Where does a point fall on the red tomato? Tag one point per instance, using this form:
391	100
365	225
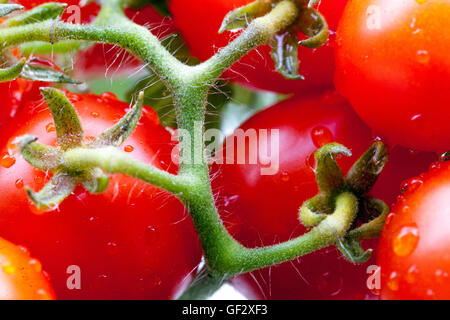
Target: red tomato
75	11
21	276
393	66
110	60
414	250
263	209
13	94
199	22
133	241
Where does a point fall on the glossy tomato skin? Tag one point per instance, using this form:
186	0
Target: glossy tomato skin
133	241
106	59
263	210
199	22
14	94
393	66
75	10
414	250
21	276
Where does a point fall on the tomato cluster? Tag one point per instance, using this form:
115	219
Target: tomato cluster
383	74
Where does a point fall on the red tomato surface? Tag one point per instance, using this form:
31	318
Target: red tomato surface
13	94
21	276
133	241
75	12
394	68
200	20
414	250
263	209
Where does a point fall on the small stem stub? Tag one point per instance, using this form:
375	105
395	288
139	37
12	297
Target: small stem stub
70	136
359	180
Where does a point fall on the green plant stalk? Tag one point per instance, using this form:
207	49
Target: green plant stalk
225	257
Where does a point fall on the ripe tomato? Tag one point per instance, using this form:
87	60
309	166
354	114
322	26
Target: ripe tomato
105	59
133	241
393	66
13	94
76	9
414	250
199	22
263	209
21	276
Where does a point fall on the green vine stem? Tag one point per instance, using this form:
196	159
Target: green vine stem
224	256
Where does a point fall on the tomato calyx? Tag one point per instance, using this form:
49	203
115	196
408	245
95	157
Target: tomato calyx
70	136
358	182
284	45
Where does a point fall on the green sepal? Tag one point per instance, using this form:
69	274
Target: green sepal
69	131
95	181
314	210
314	25
7	8
373	228
117	134
60	186
11	73
46	11
43	157
241	17
352	250
46	74
284	53
364	173
329	176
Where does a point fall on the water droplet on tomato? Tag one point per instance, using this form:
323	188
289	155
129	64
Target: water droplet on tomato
389	217
440	276
43	295
128	148
94	222
411	275
285	176
310	162
423	57
112	248
405	241
73	97
108	95
393	281
7	160
36	265
321	136
19	183
95	114
151	235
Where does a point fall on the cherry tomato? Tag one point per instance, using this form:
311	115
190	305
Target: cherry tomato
21	276
414	250
105	59
393	66
263	209
133	241
199	22
13	94
76	12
